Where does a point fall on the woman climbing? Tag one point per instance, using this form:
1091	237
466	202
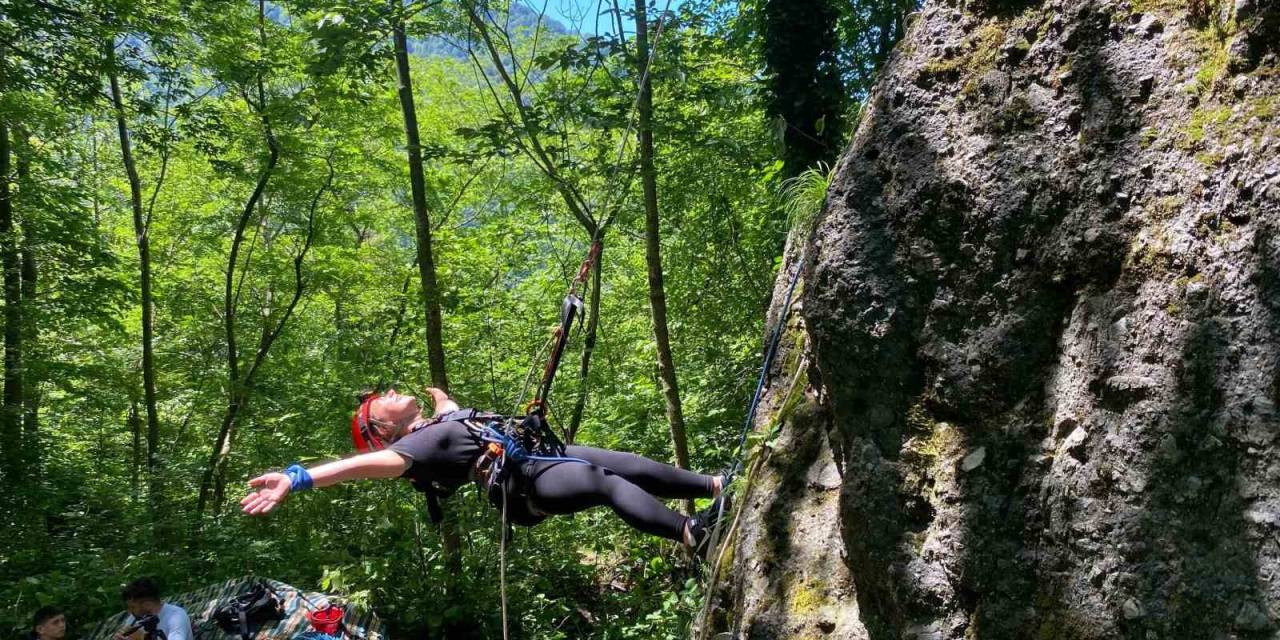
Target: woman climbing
439	454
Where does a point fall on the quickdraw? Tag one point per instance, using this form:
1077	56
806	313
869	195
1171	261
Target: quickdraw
572	307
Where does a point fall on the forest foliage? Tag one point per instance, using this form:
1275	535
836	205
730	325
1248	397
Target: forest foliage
262	213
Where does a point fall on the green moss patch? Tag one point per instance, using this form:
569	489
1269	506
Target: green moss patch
981	50
807	598
1203	122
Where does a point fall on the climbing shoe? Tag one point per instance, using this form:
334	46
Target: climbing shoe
703	524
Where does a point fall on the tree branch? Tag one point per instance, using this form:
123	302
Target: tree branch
573	200
270	337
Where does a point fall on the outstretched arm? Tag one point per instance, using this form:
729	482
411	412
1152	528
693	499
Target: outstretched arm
271	489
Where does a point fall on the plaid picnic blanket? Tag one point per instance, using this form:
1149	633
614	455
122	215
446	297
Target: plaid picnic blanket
201	604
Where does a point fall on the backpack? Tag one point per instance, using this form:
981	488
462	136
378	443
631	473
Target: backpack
248	610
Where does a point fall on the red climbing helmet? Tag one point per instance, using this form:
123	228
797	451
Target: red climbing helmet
362	435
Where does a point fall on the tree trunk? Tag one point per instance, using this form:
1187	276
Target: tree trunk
11	414
30	328
222	444
450	540
95	178
141	228
135	459
226	434
31	395
890	28
421	217
805	90
652	246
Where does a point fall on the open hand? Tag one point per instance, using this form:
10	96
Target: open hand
272	489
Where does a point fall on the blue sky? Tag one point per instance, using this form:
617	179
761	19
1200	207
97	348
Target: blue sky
582	13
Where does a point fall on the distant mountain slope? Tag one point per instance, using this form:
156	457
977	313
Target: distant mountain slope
522	17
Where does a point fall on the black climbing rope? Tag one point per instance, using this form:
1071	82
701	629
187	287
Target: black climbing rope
713	548
771	351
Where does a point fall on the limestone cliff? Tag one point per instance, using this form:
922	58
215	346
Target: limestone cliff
1038	345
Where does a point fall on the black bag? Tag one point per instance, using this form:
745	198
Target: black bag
248	610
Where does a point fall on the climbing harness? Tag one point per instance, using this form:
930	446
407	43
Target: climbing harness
524	439
510	443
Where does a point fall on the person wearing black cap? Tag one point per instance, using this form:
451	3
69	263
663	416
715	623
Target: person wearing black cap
440	453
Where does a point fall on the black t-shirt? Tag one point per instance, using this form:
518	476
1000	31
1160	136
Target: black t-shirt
441	453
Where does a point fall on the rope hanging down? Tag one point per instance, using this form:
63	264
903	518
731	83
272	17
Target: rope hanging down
768	361
572	304
513	450
713	549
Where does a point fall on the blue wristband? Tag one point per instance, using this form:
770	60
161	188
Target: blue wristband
299	479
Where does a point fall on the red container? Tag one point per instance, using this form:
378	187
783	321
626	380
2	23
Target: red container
327	620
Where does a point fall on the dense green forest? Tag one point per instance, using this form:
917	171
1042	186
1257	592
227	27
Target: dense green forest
221	218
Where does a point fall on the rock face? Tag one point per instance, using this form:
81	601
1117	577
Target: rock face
1042	311
792	580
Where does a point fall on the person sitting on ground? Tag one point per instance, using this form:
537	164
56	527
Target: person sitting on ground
49	623
160	620
443	452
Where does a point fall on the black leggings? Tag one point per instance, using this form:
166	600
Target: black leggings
629	484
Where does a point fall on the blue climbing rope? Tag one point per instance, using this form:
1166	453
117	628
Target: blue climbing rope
514	451
771	350
768	361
